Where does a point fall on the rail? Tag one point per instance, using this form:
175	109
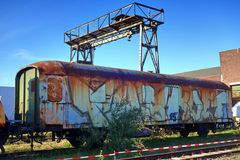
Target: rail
225	142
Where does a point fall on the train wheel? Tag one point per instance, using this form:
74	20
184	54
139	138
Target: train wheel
184	133
202	130
75	139
3	137
2	149
86	139
76	143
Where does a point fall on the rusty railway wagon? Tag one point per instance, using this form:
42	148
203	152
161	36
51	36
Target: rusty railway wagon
67	98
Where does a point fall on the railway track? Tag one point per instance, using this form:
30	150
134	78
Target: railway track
196	153
215	150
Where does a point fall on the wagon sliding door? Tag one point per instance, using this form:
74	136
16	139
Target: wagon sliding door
27	93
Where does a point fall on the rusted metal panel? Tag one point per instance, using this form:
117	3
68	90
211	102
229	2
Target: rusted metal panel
52	113
210	105
55	107
51	108
159	103
186	114
54	88
2	115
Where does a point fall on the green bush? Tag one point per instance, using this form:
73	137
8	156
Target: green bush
124	122
95	138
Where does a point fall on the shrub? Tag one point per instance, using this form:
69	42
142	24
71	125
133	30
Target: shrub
124	122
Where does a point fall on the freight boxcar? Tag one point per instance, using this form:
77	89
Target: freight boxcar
60	96
67	98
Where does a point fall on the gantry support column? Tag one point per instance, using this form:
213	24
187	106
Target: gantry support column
148	46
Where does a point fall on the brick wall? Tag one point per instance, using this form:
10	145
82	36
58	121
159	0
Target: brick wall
230	66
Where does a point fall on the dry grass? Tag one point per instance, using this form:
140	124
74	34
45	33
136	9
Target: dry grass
230	157
24	147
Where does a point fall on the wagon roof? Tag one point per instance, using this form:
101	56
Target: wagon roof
76	69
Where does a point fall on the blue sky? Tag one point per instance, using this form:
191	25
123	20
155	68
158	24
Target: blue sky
194	33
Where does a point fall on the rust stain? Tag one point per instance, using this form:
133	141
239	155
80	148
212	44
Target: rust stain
95	84
54	89
43	114
158	93
211	96
186	105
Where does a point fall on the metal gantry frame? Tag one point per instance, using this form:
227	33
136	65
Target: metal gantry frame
129	20
149	43
82	55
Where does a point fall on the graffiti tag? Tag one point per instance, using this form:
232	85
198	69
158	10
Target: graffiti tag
173	116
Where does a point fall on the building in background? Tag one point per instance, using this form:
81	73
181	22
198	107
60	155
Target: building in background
228	72
8	99
213	73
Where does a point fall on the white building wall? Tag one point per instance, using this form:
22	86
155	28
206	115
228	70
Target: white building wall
8	99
